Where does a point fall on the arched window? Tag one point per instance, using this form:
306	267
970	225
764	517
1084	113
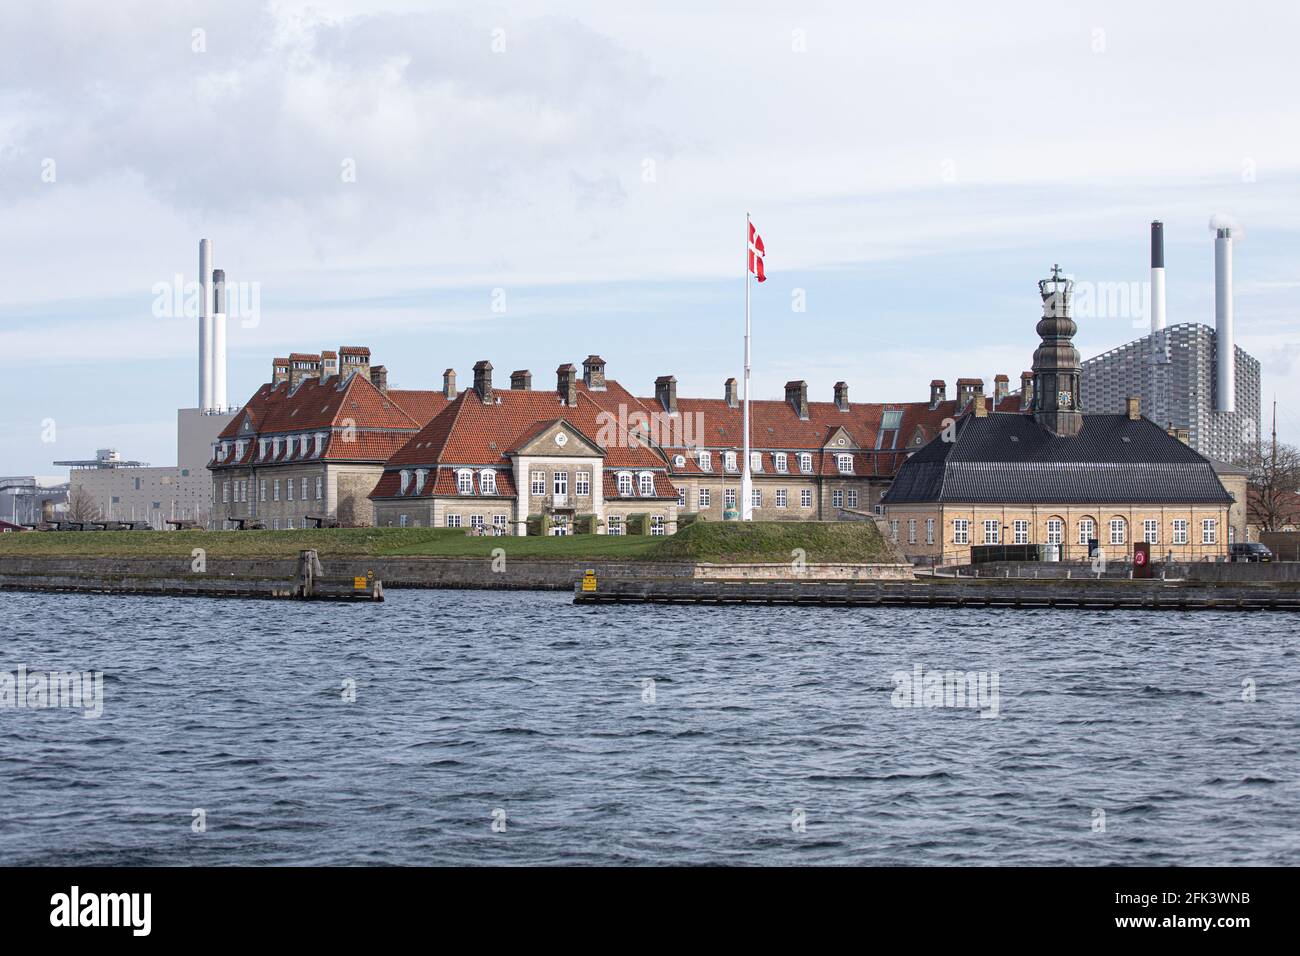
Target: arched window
805	462
487	481
625	483
1087	530
1118	530
646	481
729	461
1055	530
465	482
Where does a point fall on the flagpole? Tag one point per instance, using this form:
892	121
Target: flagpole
746	480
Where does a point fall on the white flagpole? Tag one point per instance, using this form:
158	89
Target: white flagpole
746	480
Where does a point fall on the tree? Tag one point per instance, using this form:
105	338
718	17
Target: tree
82	505
1273	482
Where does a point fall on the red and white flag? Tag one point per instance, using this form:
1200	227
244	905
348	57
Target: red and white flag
756	253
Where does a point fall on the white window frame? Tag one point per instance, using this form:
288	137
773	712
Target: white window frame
729	498
560	483
911	531
706	460
320	487
464	481
537	483
1055	531
1151	530
782	462
704	498
1180	530
624	484
960	531
729	461
614	525
275	490
1209	531
805	497
756	497
780	497
852	497
658	526
453	520
837	498
805	462
1087	530
844	463
929	531
582	483
1118	531
992	531
645	484
1020	531
755	461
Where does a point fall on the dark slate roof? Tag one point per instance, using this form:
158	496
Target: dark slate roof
1009	458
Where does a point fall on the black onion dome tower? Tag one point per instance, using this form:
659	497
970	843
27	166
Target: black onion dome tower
1057	405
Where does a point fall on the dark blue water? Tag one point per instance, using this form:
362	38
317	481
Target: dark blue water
472	702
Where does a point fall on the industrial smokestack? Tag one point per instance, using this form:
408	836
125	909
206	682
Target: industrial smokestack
205	324
1157	276
219	339
1224	341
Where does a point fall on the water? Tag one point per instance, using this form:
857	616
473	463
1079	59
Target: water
469	702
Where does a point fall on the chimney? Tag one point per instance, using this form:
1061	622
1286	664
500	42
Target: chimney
302	367
729	393
1133	408
205	324
329	364
1026	391
981	407
1225	388
593	372
968	388
842	396
566	383
379	377
796	393
279	371
354	358
666	392
449	383
1157	276
521	380
1001	389
219	340
483	380
938	392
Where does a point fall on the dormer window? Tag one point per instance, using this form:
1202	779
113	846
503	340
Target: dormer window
782	462
844	463
729	461
320	444
755	461
464	482
646	482
487	481
275	447
420	475
406	481
625	483
706	461
261	448
805	462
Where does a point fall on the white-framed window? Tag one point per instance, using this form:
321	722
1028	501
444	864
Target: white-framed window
625	483
837	498
929	531
582	483
805	497
303	488
405	481
288	524
1209	531
261	490
729	461
320	487
893	530
464	481
561	483
1055	530
614	525
487	482
401	521
476	522
261	448
805	462
1180	531
320	444
1151	531
681	497
780	497
844	463
729	498
657	526
275	489
499	525
705	496
225	492
853	497
538	484
453	521
756	497
1087	530
1118	527
646	484
960	531
755	461
782	462
420	475
288	489
992	531
911	531
275	524
1020	531
706	460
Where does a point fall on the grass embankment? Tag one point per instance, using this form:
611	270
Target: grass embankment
702	541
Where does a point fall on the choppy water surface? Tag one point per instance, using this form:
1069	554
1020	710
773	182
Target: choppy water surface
472	702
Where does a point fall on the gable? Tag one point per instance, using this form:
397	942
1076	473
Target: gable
559	439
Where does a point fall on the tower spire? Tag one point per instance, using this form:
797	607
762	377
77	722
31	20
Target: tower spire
1057	406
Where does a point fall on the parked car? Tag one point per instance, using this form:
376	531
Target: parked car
1249	551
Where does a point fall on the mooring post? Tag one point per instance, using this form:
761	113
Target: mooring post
308	570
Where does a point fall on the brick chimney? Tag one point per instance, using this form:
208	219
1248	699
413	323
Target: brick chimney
593	372
1001	389
379	377
354	358
566	383
1133	408
842	396
729	393
449	383
1026	391
279	371
521	380
796	393
329	364
302	366
968	388
981	407
483	380
938	392
666	392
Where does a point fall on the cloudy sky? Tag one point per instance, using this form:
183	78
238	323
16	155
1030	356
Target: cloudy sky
533	182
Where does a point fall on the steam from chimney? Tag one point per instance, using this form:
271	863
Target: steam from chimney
1225	396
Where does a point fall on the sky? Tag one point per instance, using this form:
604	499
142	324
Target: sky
533	182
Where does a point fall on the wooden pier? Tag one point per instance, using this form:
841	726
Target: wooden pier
1104	594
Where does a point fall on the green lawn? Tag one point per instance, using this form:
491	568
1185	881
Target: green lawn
702	541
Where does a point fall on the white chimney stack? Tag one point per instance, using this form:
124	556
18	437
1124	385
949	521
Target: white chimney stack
219	340
1157	276
205	325
1224	342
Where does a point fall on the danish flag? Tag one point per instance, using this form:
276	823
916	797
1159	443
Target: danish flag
756	253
